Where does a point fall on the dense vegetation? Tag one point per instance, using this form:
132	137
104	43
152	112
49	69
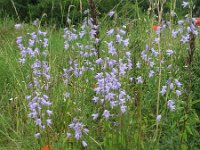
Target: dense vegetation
124	76
59	10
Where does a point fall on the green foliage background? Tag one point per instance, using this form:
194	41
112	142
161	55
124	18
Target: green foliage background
58	10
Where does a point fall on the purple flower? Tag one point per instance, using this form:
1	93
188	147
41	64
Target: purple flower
18	26
164	90
106	114
35	22
111	62
48	122
92	33
171	86
79	129
144	56
151	63
151	73
185	38
180	22
68	135
22	60
111	48
67	94
112	51
113	104
85	130
110	32
49	112
126	42
40	70
178	93
178	84
123	108
170	104
45	43
110	96
128	54
78	135
169	66
82	33
157	40
169	52
158	118
31	42
174	33
146	47
154	52
119	38
38	122
139	80
122	32
19	40
122	68
33	35
111	13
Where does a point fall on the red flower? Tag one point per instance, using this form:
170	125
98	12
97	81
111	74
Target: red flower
154	27
197	21
47	147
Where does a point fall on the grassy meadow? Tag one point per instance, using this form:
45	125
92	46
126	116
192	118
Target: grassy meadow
121	84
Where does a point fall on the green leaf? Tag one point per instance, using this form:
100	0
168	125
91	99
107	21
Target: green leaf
195	102
189	130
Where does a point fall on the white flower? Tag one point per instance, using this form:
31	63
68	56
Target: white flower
86	11
185	4
95	116
111	13
139	80
84	144
37	135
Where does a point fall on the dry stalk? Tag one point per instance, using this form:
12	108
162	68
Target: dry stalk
93	13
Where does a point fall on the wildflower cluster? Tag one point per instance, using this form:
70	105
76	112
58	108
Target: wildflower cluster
109	86
78	129
108	64
158	63
86	51
77	68
34	48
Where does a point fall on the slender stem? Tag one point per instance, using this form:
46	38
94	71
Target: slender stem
48	139
15	9
96	142
159	9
